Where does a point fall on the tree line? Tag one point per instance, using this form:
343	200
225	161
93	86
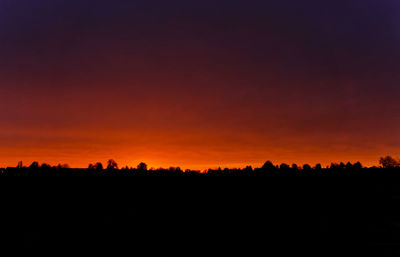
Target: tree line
112	168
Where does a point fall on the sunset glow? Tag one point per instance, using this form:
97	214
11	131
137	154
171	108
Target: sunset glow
199	84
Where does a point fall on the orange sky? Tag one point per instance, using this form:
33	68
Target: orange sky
199	84
177	147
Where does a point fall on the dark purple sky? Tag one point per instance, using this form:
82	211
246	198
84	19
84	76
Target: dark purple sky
199	83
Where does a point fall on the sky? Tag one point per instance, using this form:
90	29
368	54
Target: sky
199	83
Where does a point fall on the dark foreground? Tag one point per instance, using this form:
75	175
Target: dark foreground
257	214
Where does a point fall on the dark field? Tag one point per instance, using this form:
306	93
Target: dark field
255	213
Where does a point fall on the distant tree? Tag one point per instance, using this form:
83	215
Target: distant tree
284	166
388	162
34	165
306	167
64	166
318	167
357	165
20	165
248	169
45	166
96	166
349	165
294	166
175	169
112	165
142	166
334	166
268	166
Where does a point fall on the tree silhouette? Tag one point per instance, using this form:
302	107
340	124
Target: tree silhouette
284	166
248	169
306	167
268	166
112	165
334	166
96	166
34	165
318	167
142	166
349	165
175	170
388	162
357	165
45	166
64	166
20	165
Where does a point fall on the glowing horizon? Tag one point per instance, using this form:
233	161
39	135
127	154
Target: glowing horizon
199	84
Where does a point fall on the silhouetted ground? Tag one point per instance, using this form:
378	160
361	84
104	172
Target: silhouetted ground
254	213
173	172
